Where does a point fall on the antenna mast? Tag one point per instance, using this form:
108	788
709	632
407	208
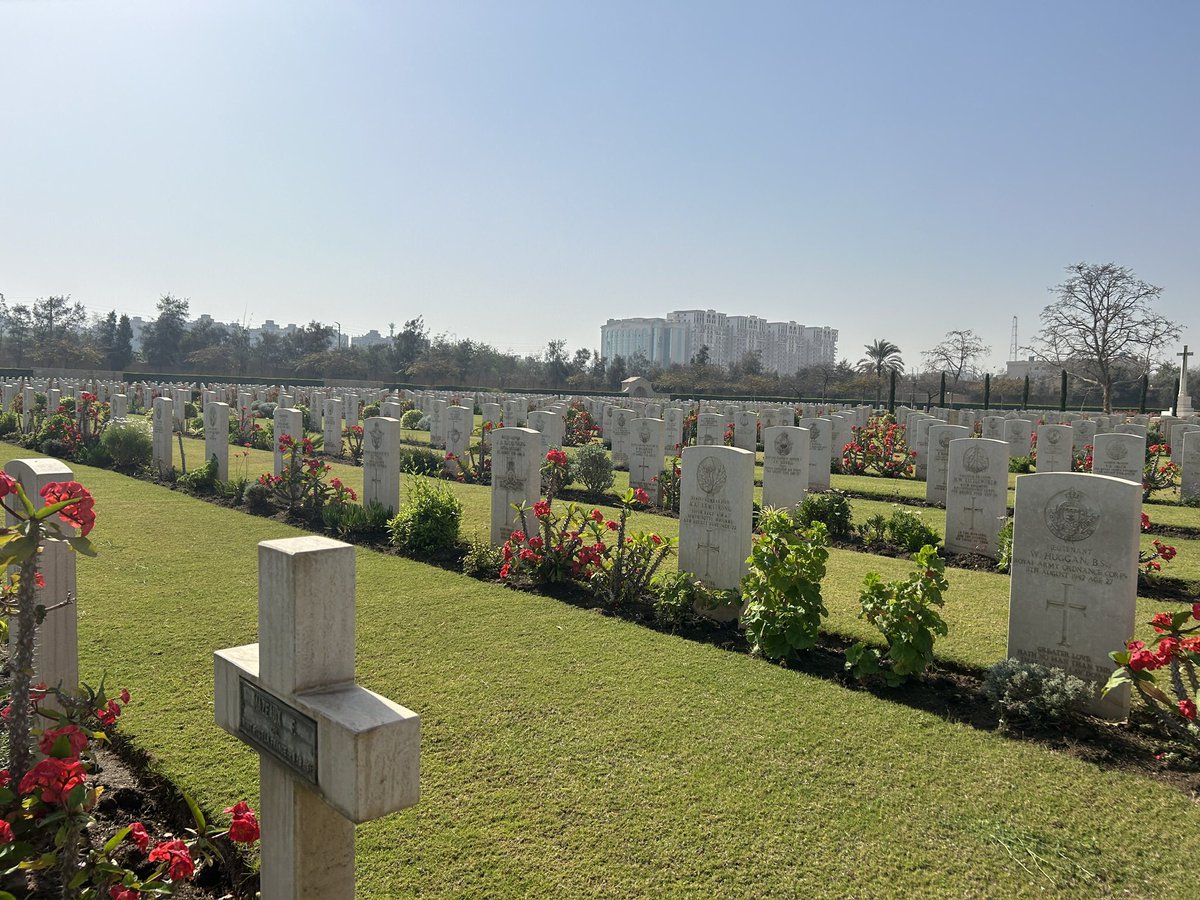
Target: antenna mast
1012	347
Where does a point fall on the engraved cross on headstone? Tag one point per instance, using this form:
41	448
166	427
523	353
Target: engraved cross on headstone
709	549
642	471
1066	606
975	508
331	754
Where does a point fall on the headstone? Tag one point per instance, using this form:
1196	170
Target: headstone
333	427
162	454
1189	466
1019	435
976	495
820	437
1074	575
287	422
516	477
459	422
993	428
940	437
745	431
715	510
622	423
918	443
673	430
56	652
1175	438
710	430
785	465
381	462
1054	444
646	453
1083	434
216	437
120	407
1119	456
331	753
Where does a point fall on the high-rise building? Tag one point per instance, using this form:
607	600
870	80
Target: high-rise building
783	347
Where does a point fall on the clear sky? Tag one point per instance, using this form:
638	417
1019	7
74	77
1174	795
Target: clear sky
517	172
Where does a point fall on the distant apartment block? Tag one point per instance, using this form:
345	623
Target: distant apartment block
783	347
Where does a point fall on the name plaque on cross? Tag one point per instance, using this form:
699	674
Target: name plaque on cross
272	726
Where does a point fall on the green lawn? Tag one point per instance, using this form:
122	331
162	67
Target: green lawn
569	754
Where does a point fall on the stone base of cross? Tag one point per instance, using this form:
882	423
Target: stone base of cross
331	753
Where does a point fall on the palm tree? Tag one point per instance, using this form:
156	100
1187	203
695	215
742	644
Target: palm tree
882	356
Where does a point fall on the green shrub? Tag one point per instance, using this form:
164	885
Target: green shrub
57	448
1022	465
257	497
200	480
904	612
429	522
592	467
1004	546
129	446
906	529
96	455
1035	693
190	411
783	586
415	461
352	522
482	560
233	490
674	596
410	419
874	529
832	509
370	410
10	422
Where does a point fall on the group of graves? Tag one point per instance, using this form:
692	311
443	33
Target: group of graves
333	754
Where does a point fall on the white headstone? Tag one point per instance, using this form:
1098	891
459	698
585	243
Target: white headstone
162	423
516	477
1054	448
646	453
216	437
1119	456
715	511
785	465
1189	465
976	495
1074	575
940	437
820	437
381	462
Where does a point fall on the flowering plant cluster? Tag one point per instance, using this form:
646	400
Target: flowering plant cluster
1174	652
668	482
690	426
573	547
1081	459
878	447
301	487
245	431
554	473
1159	472
1148	560
579	427
352	437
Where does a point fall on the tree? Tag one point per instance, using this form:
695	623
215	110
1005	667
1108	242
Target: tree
957	354
408	345
557	366
162	339
1101	327
616	371
882	356
54	319
701	356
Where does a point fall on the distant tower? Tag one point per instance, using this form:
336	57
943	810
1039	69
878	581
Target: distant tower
1012	345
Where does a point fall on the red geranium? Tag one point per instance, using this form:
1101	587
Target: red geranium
177	857
244	827
54	778
81	514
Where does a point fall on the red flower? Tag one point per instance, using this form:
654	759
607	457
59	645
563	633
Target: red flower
7	485
518	536
6	834
611	525
54	778
1145	522
77	740
641	496
504	570
598	516
1161	622
175	854
541	509
117	892
5	778
244	827
137	834
654	537
109	715
125	696
1187	709
80	514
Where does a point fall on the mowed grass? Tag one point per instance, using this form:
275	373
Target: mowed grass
569	754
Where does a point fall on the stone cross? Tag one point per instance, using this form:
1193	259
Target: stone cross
331	754
56	656
709	549
1183	403
1066	606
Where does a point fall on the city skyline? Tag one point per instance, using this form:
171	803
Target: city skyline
525	173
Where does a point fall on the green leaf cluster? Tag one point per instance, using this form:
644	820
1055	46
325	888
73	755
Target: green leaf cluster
782	588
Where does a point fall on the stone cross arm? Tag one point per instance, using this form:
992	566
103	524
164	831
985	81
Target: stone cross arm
367	764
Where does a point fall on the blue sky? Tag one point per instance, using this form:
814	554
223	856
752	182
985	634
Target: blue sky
518	172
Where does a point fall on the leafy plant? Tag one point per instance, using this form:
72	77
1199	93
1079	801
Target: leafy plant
416	461
593	468
556	548
554	473
410	418
200	480
668	481
353	522
257	497
430	520
906	529
1004	545
879	447
1022	465
783	586
832	509
873	529
626	570
482	560
905	612
1035	693
130	447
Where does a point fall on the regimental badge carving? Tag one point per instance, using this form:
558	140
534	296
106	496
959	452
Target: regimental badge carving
1116	450
455	436
707	440
212	417
783	444
944	440
621	420
975	460
644	434
711	475
510	480
814	432
377	436
1071	515
1053	437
